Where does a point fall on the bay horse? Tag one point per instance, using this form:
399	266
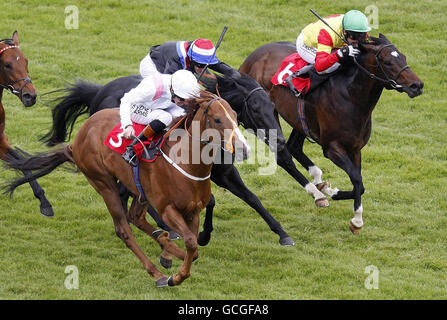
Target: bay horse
338	112
245	96
179	191
14	77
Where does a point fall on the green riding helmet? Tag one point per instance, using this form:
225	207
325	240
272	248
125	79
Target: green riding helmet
356	21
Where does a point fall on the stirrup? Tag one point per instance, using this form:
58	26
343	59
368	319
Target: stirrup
291	86
130	157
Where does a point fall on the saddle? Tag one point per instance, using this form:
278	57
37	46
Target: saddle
298	75
147	152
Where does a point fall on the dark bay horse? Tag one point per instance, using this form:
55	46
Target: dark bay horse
179	191
15	78
339	111
245	96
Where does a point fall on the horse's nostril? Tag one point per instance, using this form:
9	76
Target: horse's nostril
417	86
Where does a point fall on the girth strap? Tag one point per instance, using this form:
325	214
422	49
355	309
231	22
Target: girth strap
136	179
303	121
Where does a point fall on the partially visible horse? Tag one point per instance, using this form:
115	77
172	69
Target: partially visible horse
179	191
246	97
338	112
15	78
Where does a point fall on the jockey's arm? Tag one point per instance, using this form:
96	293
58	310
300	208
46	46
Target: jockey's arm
325	58
225	69
145	91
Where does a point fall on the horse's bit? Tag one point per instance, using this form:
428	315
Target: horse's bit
392	82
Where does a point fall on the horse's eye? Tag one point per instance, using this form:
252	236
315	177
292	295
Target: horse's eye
387	63
217	121
8	66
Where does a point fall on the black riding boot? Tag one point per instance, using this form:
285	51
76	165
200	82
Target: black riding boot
129	155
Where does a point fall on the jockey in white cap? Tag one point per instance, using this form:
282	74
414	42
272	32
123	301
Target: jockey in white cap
155	102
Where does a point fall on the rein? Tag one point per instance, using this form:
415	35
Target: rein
10	86
392	82
175	165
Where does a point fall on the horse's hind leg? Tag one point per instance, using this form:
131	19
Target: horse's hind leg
295	147
351	164
285	161
109	191
125	194
45	207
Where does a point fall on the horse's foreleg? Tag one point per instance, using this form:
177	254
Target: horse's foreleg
205	235
227	176
188	230
352	166
45	207
137	216
125	194
112	200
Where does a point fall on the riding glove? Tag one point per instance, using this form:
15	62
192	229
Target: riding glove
346	52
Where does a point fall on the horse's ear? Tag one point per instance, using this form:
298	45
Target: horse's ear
15	38
381	36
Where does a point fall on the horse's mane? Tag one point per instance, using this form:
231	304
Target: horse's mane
193	104
229	88
376	41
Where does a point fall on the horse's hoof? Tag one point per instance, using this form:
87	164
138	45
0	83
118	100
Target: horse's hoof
171	281
203	239
47	211
287	242
158	233
174	235
354	229
320	186
166	263
322	202
163	282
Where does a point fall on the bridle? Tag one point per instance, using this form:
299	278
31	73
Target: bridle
228	144
392	82
180	169
10	86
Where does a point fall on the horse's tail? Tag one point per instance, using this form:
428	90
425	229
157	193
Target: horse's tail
40	164
75	103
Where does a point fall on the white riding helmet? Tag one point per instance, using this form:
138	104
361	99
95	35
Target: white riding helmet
184	84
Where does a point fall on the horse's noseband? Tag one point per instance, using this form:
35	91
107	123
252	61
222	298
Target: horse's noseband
10	86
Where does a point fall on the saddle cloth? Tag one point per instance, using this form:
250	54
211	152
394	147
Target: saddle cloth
117	143
289	65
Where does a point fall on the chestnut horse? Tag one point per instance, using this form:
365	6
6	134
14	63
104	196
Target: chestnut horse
338	112
14	77
179	191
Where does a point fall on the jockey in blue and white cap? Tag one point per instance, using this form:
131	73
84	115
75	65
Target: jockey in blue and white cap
189	55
